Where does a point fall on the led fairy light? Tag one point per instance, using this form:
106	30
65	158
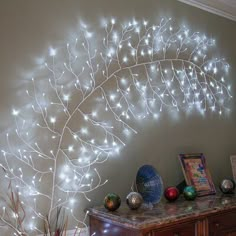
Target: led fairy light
84	99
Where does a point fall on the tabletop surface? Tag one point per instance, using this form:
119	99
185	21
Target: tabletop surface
165	212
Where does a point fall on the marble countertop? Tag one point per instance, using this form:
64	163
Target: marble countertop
165	212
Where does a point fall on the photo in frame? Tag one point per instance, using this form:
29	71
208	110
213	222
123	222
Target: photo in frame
233	165
197	174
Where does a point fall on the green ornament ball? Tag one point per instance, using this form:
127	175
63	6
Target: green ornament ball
190	193
112	201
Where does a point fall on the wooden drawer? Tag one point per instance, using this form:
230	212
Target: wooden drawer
182	230
102	228
223	224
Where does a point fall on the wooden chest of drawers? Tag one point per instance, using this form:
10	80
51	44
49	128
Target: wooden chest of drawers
206	216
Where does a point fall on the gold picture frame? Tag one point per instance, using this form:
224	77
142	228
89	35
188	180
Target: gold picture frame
233	165
196	173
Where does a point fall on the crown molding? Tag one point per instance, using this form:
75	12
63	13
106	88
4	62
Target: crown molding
207	7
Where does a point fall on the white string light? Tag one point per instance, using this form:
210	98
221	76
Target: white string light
82	101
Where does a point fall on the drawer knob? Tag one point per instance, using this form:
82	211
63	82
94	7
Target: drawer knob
217	225
176	234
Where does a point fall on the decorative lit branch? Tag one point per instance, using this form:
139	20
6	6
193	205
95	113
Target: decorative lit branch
84	98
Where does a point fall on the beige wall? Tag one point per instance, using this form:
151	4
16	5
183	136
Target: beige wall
29	27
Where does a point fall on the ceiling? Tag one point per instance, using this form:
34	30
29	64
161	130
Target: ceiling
225	8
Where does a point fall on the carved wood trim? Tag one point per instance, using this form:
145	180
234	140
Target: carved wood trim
202	227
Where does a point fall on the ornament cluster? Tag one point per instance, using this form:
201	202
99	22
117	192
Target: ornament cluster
148	179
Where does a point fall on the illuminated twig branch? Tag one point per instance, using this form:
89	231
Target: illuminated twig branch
85	99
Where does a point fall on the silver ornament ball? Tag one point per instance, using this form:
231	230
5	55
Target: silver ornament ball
227	186
134	200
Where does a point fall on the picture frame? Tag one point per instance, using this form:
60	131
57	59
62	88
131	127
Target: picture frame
233	165
196	173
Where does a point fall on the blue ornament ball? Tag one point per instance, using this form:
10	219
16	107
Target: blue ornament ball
149	184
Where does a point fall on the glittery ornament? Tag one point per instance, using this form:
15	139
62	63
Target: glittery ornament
112	201
190	193
227	186
171	193
134	200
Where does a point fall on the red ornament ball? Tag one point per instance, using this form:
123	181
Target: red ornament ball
171	193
